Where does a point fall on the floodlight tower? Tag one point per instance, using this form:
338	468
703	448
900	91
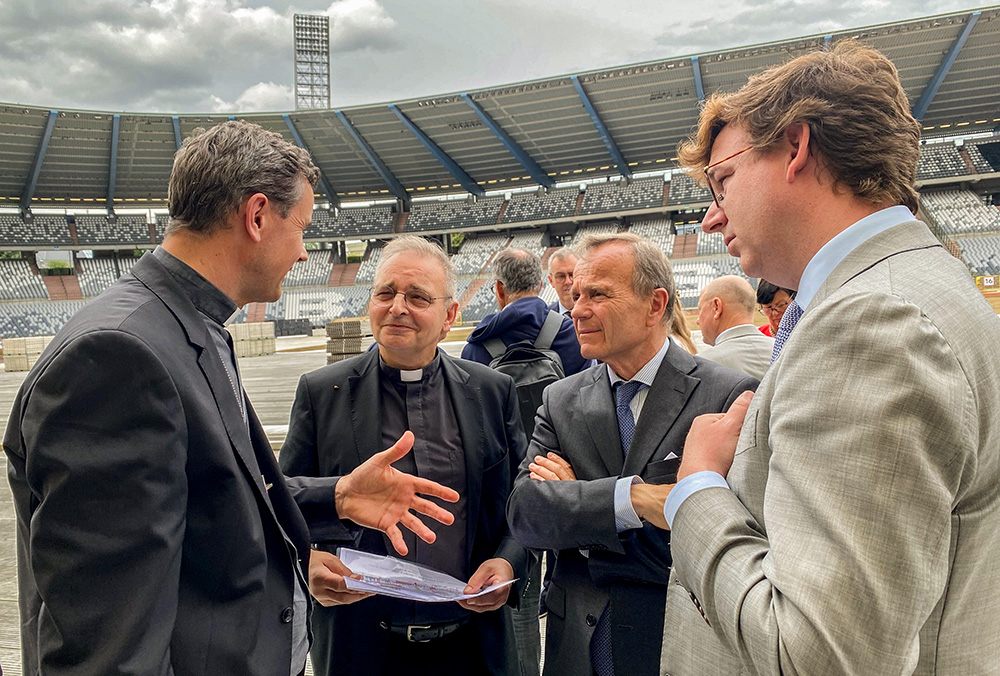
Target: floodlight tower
312	62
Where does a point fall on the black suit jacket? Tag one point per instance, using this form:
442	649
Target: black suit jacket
336	425
577	420
149	514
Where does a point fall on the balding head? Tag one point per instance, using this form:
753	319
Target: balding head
726	302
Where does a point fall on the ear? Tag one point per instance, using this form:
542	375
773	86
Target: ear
449	319
658	305
797	139
499	291
253	215
716	307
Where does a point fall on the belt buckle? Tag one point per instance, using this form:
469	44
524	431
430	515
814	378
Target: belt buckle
418	627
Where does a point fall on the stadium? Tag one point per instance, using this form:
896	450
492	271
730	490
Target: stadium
529	165
532	165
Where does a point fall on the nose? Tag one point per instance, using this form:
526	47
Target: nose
398	306
715	218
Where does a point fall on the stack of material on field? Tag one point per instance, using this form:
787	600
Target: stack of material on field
346	338
253	339
20	354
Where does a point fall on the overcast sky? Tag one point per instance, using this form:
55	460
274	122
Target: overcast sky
236	55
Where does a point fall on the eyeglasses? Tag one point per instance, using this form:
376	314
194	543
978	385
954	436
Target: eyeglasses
716	190
771	309
385	296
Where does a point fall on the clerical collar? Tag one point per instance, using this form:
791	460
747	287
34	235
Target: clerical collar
404	376
205	296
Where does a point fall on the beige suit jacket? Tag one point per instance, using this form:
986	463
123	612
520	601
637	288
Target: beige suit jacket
862	531
743	348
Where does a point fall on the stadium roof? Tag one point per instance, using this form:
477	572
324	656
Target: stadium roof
594	124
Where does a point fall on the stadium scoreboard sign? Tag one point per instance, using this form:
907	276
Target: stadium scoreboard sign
987	282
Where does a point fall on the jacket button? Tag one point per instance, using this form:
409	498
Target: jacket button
286	615
591	620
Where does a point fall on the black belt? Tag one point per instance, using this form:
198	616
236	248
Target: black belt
422	633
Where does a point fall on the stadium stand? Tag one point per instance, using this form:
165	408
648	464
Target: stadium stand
985	156
641	193
425	216
940	160
162	221
529	241
320	305
366	273
981	254
711	244
39	231
315	271
482	303
475	252
97	274
534	207
351	221
658	231
125	229
590	229
960	212
19	282
684	190
691	276
36	318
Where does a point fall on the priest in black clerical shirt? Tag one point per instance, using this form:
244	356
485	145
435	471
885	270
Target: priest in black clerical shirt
467	436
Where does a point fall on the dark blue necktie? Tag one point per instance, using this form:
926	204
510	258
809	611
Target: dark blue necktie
788	321
624	392
600	643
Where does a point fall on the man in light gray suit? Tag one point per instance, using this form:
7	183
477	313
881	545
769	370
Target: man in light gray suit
725	317
598	435
859	532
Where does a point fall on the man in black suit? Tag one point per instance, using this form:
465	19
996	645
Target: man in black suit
156	534
468	432
598	436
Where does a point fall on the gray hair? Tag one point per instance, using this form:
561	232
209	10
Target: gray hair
561	254
217	169
651	269
411	244
519	271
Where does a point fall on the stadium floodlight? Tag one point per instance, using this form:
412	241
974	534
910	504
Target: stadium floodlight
312	61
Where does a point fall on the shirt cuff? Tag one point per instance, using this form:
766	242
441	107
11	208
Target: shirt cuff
688	486
625	516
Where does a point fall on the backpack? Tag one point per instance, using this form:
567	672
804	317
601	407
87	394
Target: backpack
533	366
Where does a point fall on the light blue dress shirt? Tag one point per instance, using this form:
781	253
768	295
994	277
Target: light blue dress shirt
818	269
625	516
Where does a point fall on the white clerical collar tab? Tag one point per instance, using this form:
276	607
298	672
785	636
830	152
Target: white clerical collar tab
411	376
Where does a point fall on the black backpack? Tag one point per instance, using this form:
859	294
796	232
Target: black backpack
533	366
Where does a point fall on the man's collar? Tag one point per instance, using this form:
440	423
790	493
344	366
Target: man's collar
410	375
206	297
733	329
846	241
647	373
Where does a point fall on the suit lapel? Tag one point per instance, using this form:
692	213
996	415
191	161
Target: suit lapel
469	414
157	279
366	408
598	409
671	389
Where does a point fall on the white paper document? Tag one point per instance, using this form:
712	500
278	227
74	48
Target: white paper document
401	579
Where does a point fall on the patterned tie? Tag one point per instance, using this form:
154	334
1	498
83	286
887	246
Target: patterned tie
788	321
624	391
600	643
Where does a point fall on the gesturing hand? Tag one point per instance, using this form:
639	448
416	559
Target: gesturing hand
491	572
376	495
552	467
711	441
326	580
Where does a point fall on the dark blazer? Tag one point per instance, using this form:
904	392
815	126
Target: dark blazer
577	420
554	305
148	516
336	425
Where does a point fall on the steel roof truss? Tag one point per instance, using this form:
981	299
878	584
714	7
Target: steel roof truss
324	184
535	171
36	166
391	181
926	96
